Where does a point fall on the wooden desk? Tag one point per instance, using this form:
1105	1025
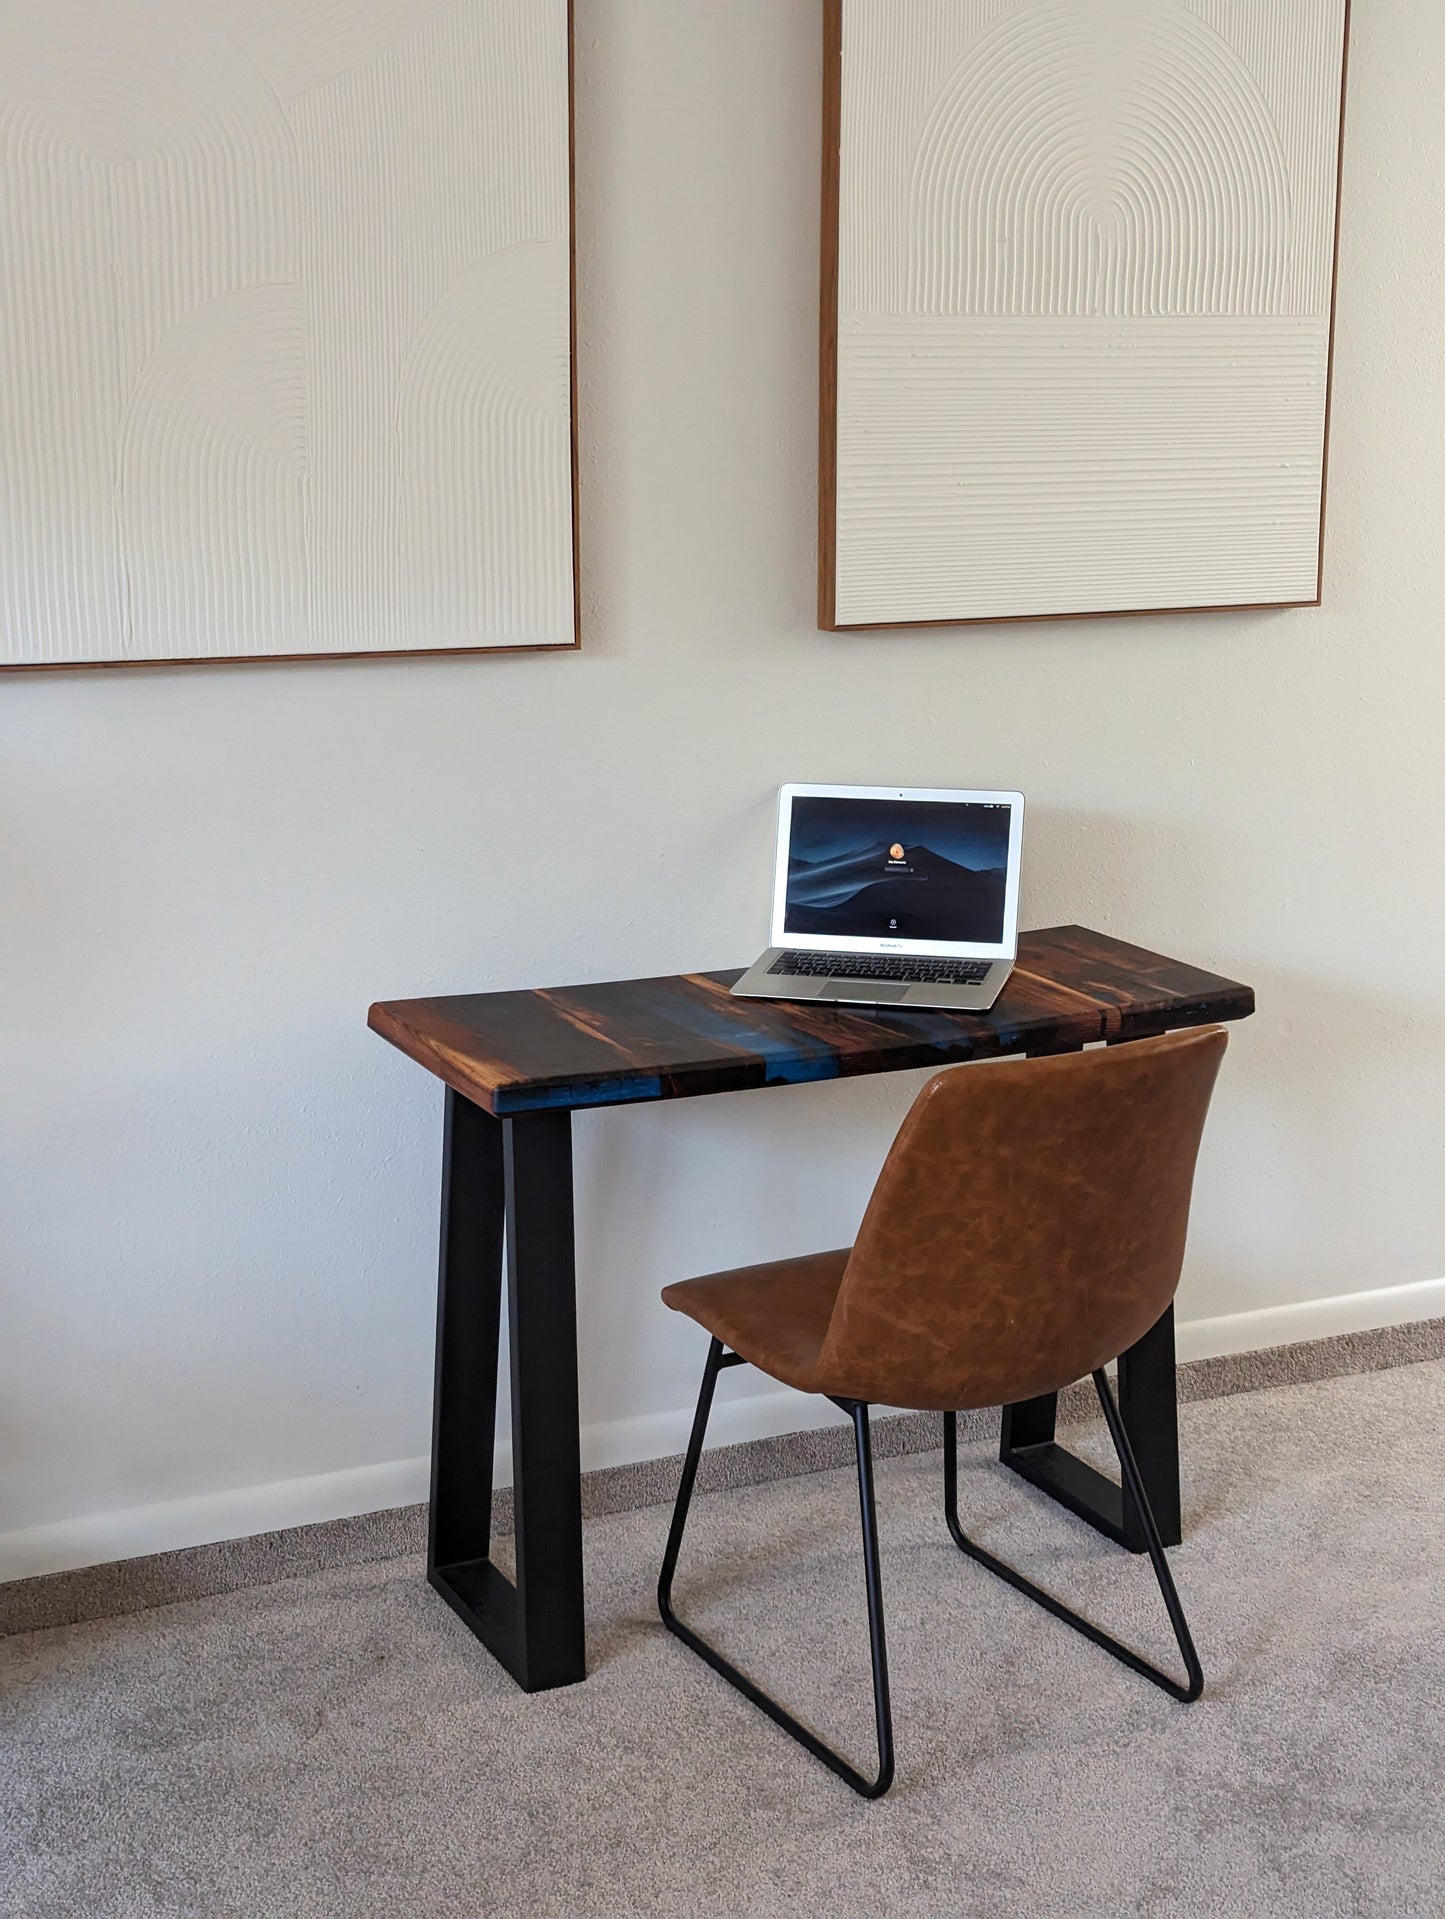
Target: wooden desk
517	1065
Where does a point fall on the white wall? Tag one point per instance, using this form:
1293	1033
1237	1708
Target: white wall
217	1225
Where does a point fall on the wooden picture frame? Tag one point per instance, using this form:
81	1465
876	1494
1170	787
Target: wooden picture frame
843	605
189	189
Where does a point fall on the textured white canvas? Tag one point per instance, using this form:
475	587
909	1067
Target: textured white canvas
1085	271
285	363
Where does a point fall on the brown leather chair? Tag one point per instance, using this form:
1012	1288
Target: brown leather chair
1027	1227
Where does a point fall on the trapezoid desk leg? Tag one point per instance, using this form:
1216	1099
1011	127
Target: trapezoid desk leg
469	1303
517	1174
1148	1410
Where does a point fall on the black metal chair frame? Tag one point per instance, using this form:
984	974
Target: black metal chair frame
717	1359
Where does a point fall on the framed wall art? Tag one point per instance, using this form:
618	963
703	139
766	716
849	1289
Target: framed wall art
1078	299
287	366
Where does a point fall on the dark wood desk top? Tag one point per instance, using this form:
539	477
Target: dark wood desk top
627	1040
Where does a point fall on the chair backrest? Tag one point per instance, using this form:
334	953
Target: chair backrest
1028	1225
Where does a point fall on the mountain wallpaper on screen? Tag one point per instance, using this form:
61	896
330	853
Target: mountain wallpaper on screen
923	870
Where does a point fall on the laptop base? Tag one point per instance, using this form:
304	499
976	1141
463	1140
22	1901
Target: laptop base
760	983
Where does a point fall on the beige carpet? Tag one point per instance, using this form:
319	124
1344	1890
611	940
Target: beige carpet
338	1745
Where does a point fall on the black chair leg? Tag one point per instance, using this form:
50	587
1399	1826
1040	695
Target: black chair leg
1134	1492
858	1412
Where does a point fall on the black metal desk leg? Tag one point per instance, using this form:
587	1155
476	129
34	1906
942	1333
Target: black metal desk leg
1149	1408
546	1447
1026	1432
1030	1423
519	1170
469	1301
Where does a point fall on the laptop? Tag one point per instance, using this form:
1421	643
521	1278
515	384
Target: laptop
891	895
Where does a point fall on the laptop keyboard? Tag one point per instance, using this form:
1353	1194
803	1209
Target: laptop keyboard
911	971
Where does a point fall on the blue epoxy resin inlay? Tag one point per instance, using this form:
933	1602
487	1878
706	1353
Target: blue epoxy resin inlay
788	1058
577	1095
800	1071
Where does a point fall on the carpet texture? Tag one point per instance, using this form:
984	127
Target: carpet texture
338	1747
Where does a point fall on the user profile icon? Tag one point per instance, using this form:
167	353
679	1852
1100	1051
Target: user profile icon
895	851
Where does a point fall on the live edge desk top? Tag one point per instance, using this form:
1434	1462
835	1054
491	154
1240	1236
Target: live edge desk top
571	1047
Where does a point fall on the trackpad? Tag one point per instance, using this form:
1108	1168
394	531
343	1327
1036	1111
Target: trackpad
876	993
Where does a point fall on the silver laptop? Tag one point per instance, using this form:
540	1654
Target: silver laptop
888	894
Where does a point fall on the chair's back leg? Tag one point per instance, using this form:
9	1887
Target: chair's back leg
1139	1499
1135	1498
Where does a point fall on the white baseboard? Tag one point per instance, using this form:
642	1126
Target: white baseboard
171	1525
1311	1319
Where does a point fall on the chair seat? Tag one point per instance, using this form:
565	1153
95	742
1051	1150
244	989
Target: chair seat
774	1315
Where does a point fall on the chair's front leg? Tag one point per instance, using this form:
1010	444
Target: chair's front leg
689	1480
873	1788
873	1575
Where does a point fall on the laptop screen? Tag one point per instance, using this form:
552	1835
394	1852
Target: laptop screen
897	869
